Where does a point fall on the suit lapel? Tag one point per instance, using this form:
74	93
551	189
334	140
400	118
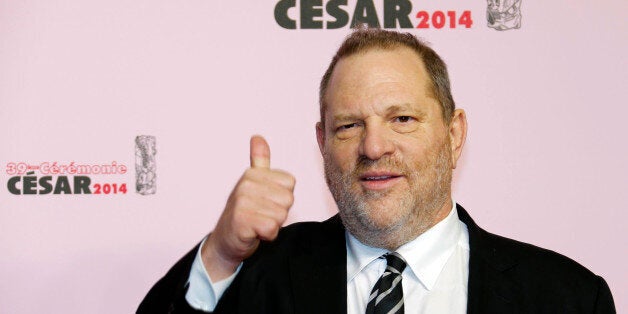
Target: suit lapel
318	271
490	289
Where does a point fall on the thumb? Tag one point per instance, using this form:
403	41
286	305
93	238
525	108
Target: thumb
260	152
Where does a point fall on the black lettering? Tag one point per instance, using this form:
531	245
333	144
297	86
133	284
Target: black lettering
281	14
365	13
62	185
81	185
29	185
12	185
44	183
397	10
309	10
341	16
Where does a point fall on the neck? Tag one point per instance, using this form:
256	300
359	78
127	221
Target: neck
404	231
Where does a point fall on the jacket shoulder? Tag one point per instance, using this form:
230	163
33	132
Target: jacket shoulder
548	278
535	280
534	256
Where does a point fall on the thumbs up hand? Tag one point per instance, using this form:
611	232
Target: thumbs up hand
256	209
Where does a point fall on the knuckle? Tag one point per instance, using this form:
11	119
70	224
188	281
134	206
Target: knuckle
273	228
273	225
245	184
283	215
285	178
288	179
289	199
274	234
268	229
285	197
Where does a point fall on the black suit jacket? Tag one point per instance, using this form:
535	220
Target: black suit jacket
304	271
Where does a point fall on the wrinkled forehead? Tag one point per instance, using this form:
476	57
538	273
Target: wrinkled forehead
398	70
374	81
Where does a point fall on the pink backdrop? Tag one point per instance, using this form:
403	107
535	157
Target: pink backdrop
545	160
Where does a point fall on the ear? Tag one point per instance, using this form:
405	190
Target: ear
320	137
457	135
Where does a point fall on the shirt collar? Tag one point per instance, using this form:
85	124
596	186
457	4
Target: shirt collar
426	255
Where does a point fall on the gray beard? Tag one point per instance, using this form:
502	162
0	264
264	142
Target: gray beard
417	209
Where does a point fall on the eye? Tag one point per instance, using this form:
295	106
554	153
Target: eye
403	119
346	126
405	124
348	130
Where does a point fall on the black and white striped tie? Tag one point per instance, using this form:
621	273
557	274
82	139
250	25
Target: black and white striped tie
387	295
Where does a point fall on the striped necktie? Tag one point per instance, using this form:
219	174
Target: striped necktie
387	295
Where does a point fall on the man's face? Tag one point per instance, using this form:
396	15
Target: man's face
386	147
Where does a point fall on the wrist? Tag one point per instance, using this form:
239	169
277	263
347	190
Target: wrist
218	266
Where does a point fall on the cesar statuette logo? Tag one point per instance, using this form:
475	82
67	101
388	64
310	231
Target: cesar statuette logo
503	14
145	165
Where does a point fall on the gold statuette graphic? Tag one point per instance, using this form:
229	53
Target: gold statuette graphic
145	166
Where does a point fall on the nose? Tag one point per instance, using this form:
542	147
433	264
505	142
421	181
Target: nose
376	142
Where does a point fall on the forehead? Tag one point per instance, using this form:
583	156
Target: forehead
378	78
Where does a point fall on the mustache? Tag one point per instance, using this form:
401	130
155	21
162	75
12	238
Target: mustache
364	164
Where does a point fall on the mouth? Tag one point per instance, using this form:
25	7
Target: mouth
379	180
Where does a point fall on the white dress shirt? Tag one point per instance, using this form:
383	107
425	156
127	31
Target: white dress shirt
435	280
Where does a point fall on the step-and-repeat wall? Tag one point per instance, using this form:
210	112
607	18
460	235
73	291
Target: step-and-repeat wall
125	124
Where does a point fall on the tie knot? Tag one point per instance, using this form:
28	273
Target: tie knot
395	261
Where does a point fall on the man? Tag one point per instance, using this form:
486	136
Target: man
390	137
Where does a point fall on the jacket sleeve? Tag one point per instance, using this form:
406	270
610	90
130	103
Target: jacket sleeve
168	294
604	303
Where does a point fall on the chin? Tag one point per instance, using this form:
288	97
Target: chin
384	219
377	225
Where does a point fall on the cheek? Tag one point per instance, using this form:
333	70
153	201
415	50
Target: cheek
418	152
413	145
343	155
